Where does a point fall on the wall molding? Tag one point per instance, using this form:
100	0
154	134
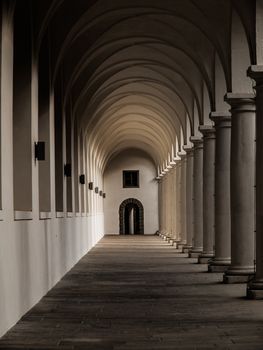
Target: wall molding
23	215
45	215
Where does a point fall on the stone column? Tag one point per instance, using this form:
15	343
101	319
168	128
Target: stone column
198	198
208	193
165	206
189	198
158	179
178	189
177	198
161	203
168	209
170	231
242	179
173	206
183	199
222	258
255	287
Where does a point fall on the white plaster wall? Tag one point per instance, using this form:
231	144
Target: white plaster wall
35	255
116	194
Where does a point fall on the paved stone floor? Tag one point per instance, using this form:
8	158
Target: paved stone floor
137	292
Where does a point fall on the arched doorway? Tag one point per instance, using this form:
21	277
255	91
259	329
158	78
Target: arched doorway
131	217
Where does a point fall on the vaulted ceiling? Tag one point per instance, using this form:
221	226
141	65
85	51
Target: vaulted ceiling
141	73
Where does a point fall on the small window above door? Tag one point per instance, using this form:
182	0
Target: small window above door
130	178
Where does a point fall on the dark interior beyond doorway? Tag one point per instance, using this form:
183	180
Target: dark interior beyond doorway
131	217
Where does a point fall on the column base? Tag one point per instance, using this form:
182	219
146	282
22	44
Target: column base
180	246
187	248
219	266
238	276
176	243
205	258
194	254
255	290
173	242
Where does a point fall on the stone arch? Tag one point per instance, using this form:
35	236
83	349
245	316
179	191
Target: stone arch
140	213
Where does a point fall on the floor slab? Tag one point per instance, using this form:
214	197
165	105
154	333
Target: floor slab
140	293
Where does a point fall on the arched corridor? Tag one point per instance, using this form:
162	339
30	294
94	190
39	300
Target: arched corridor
132	118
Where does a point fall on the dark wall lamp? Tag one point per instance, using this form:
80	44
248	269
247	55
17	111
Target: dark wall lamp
67	170
104	195
90	185
82	179
101	193
96	189
40	150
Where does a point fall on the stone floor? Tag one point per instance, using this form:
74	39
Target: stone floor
137	292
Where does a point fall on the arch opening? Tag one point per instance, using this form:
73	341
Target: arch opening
131	214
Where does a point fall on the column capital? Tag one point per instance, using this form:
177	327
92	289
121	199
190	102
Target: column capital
255	72
197	141
172	164
182	155
243	102
221	119
208	131
174	161
188	149
177	163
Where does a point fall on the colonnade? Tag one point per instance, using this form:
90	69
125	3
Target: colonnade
219	195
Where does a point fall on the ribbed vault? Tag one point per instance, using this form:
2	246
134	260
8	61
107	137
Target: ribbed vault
142	73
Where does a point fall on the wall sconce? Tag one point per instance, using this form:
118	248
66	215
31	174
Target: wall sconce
96	189
40	150
67	170
82	179
104	195
101	193
90	185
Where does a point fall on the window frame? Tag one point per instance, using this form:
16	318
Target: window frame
124	172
